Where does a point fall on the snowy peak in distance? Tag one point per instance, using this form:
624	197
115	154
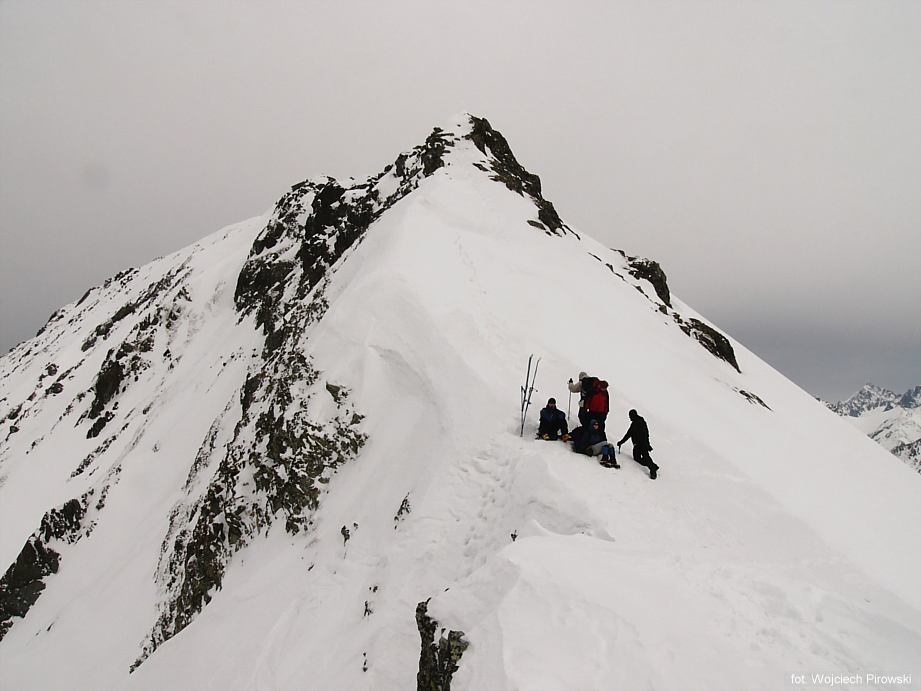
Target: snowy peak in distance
868	397
911	398
890	419
289	456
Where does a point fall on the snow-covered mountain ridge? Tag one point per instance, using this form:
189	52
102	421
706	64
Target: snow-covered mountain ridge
892	420
287	457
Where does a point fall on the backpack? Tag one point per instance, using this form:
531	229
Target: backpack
598	401
588	387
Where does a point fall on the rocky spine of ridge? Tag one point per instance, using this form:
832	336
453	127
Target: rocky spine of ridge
277	443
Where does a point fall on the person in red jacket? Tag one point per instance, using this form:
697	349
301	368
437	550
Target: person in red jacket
598	403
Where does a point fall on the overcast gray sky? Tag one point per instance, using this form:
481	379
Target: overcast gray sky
768	154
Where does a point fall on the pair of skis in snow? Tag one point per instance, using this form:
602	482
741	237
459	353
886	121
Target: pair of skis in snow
527	389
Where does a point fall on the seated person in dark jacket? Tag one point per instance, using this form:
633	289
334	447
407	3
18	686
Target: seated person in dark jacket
552	423
592	441
639	433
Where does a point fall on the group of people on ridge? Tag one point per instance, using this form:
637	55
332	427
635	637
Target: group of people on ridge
589	437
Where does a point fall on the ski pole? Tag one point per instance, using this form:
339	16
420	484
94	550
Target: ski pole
569	407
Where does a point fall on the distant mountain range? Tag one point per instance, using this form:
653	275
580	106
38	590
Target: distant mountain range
892	420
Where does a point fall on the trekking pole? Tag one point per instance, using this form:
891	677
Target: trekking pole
569	407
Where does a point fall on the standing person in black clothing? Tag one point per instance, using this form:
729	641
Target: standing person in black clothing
552	423
639	433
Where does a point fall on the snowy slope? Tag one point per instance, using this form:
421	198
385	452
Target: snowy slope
240	546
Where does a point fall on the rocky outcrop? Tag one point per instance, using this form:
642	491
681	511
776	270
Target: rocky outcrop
40	557
506	169
648	270
315	223
440	654
711	339
24	581
754	399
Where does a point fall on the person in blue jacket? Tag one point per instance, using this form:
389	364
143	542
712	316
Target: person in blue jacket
552	423
592	441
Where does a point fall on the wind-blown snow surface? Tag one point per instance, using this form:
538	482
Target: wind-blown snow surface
776	540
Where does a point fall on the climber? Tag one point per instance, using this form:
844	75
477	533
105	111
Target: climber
639	433
552	423
583	387
597	403
592	441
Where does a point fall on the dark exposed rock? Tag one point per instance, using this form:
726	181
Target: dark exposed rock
107	385
55	316
98	425
439	658
62	523
711	339
753	398
55	388
172	280
507	170
404	510
94	454
102	331
23	581
124	364
322	220
83	298
648	270
334	391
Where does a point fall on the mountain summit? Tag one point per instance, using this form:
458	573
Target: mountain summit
287	457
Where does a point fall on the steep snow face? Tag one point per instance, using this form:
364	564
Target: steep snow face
891	420
326	435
